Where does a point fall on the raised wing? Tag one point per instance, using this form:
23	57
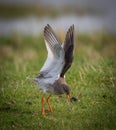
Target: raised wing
55	59
68	47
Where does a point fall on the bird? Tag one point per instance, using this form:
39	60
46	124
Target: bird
51	78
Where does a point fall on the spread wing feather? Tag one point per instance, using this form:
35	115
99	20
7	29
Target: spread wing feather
55	58
68	47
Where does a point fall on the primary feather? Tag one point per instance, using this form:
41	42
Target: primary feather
55	59
68	47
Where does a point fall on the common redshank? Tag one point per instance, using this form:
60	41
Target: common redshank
51	78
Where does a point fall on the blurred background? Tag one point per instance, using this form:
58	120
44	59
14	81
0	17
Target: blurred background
92	76
30	16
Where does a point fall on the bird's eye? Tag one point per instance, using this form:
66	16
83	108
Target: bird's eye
66	89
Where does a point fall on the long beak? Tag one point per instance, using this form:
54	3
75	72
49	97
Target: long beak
68	96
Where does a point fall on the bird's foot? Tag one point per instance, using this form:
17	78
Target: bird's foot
51	110
43	112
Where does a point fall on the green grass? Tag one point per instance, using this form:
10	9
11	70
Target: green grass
92	78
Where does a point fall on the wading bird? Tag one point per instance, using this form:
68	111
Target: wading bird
51	78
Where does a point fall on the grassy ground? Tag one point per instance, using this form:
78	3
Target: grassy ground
92	78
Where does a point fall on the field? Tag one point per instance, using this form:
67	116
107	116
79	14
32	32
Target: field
92	78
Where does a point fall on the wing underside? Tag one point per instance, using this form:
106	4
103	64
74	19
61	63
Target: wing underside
55	59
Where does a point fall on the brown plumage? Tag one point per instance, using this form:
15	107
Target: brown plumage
68	47
51	77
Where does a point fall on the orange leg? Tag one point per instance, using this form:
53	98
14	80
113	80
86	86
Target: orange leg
47	100
43	111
